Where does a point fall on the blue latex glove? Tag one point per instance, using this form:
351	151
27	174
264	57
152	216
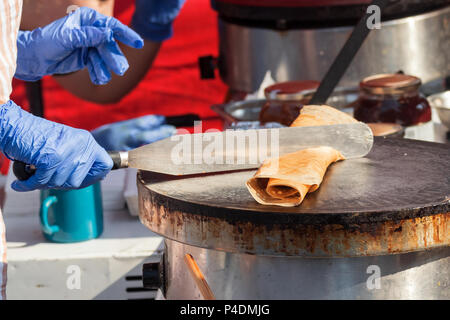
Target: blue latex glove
130	134
84	38
153	18
64	157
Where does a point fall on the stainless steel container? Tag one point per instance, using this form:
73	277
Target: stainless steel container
249	110
417	45
416	275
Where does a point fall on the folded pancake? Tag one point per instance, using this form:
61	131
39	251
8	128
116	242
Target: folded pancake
285	181
323	115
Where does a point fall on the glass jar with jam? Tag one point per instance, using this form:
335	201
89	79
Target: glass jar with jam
392	98
285	99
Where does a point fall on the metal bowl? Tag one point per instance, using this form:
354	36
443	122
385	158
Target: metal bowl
441	103
248	110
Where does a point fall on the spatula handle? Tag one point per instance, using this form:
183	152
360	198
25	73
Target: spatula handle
24	171
120	159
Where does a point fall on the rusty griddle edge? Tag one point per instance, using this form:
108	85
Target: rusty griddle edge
302	234
301	240
234	215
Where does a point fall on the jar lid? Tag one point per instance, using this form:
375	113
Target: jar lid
291	90
380	129
390	83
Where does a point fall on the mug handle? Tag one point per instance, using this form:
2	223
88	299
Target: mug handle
46	228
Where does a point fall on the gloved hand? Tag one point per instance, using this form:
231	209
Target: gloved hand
84	38
130	134
153	19
64	157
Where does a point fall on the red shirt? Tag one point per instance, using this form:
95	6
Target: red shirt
172	87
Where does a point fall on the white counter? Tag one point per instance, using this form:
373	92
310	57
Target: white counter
38	269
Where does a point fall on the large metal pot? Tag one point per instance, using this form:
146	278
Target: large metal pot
418	45
416	275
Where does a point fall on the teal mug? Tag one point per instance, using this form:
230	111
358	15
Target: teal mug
72	215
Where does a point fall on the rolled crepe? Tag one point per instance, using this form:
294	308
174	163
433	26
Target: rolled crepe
323	115
285	181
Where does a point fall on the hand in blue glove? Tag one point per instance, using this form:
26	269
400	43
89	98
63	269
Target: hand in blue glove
84	38
64	157
153	18
130	134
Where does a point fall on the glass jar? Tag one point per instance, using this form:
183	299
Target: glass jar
392	98
285	100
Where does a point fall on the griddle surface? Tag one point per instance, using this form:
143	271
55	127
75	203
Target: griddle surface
400	177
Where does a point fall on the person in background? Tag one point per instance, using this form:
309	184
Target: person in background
64	157
152	20
172	87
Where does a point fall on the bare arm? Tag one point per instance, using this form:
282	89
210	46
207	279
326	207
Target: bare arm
38	13
140	62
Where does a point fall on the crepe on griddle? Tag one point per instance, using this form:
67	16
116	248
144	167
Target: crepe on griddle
285	181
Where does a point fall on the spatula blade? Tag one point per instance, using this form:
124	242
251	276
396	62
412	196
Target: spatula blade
213	152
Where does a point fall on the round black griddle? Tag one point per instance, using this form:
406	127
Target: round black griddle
396	199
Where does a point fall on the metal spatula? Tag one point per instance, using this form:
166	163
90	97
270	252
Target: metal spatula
234	149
